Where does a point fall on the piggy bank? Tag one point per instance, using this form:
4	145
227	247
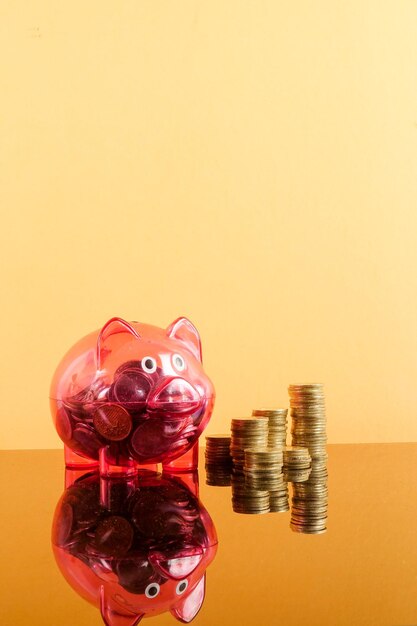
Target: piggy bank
137	547
131	395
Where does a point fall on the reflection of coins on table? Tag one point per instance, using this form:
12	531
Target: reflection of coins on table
113	536
112	422
247	500
278	500
218	460
218	476
309	503
263	468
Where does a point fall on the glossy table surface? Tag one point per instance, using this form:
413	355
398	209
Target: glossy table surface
362	571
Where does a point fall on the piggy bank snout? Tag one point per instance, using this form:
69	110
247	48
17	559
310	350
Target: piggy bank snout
175	395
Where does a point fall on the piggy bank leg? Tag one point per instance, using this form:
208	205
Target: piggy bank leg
186	462
77	461
111	465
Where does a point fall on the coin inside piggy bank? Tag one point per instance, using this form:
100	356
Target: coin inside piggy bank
133	392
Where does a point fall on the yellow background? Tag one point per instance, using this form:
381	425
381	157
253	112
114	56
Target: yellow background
251	165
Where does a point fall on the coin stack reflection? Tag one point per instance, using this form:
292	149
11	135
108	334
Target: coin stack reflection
218	460
309	501
247	432
248	500
277	425
297	464
263	468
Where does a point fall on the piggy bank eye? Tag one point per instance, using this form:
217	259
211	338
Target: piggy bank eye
152	590
148	364
181	587
178	362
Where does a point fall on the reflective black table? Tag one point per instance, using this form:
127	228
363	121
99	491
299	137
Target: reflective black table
362	571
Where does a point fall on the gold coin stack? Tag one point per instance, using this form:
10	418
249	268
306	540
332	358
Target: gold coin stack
218	460
247	432
309	501
277	425
263	468
297	464
308	415
247	500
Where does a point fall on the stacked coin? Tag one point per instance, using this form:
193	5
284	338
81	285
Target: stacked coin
277	425
309	503
263	468
297	464
308	418
248	500
218	450
218	460
247	432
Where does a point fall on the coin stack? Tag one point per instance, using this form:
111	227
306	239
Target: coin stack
247	432
309	501
247	500
218	460
263	468
308	418
297	464
277	425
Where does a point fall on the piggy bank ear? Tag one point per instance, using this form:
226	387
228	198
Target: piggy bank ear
184	331
111	615
189	606
114	326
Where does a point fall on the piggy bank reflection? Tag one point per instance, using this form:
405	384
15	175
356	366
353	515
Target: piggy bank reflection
133	394
135	548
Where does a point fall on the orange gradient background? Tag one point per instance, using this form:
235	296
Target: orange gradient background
251	165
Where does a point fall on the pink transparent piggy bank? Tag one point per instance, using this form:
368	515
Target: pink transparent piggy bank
133	395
